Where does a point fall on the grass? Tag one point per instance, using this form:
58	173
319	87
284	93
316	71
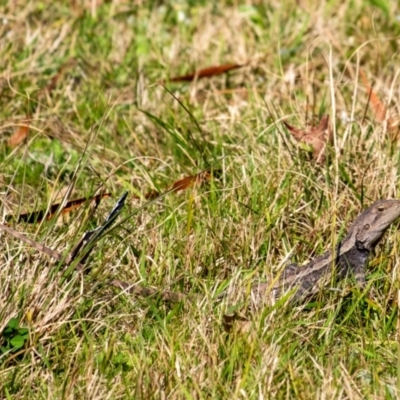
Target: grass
105	122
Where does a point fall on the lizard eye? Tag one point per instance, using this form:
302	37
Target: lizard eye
366	227
381	209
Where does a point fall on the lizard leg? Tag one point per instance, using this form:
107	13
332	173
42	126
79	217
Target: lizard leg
291	269
353	264
359	275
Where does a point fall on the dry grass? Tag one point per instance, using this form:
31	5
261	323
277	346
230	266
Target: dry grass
86	76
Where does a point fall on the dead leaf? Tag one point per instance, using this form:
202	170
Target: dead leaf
316	137
185	183
235	323
192	180
20	134
381	113
377	106
229	321
38	216
206	73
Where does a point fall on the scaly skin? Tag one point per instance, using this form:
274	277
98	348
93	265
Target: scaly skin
350	257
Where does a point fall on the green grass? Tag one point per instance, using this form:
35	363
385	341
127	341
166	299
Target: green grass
108	124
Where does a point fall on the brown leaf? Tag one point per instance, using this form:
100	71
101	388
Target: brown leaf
150	195
316	137
381	113
185	183
192	180
377	106
38	216
235	323
206	73
20	134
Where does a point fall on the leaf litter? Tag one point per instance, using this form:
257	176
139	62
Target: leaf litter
205	73
315	137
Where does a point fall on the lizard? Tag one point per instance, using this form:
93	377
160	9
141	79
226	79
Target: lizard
349	258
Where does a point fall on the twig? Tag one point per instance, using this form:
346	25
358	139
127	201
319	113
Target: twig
136	290
52	253
89	238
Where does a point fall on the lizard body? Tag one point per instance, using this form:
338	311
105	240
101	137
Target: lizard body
349	258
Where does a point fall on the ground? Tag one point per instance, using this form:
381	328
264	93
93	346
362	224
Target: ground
89	105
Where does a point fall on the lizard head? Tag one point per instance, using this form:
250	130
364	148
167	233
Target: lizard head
370	226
